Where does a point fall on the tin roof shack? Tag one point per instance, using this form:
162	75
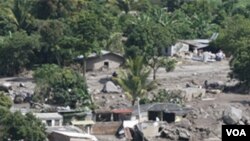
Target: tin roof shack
104	60
122	114
70	136
166	112
50	119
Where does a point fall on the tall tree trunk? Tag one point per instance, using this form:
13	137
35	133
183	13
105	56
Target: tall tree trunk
154	74
133	102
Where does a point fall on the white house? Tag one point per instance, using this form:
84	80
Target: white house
50	119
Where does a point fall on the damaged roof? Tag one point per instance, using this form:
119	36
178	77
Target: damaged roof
102	52
166	107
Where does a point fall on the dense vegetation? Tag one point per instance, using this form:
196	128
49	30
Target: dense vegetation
55	31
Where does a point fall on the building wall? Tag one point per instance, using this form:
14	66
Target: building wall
178	47
97	63
53	122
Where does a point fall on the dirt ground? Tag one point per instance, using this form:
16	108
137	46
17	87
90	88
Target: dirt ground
205	120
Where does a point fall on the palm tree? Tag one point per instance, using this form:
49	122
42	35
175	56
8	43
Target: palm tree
134	80
17	11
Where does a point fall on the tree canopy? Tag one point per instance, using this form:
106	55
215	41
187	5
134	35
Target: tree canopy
61	86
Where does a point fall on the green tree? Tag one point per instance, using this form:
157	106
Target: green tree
61	86
16	126
240	64
236	30
157	62
134	80
148	38
17	53
52	42
5	101
15	16
87	28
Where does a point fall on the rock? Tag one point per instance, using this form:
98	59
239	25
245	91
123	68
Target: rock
21	85
232	115
184	123
189	93
245	119
214	84
110	87
5	86
18	99
167	133
241	123
214	91
194	74
248	122
183	134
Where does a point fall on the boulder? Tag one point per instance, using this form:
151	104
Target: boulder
21	85
168	134
214	84
184	123
232	115
246	119
18	99
110	87
5	86
183	134
189	93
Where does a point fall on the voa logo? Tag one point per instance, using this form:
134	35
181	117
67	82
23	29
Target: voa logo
236	132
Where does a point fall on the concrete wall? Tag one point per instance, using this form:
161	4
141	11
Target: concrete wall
53	122
105	128
97	63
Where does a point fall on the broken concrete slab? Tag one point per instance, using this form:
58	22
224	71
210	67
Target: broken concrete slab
232	115
189	93
110	87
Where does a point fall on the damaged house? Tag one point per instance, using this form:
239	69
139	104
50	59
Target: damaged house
103	60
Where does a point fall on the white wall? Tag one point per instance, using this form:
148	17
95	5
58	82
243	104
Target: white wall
98	63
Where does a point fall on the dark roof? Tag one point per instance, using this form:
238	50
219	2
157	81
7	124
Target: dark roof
164	107
102	53
159	107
